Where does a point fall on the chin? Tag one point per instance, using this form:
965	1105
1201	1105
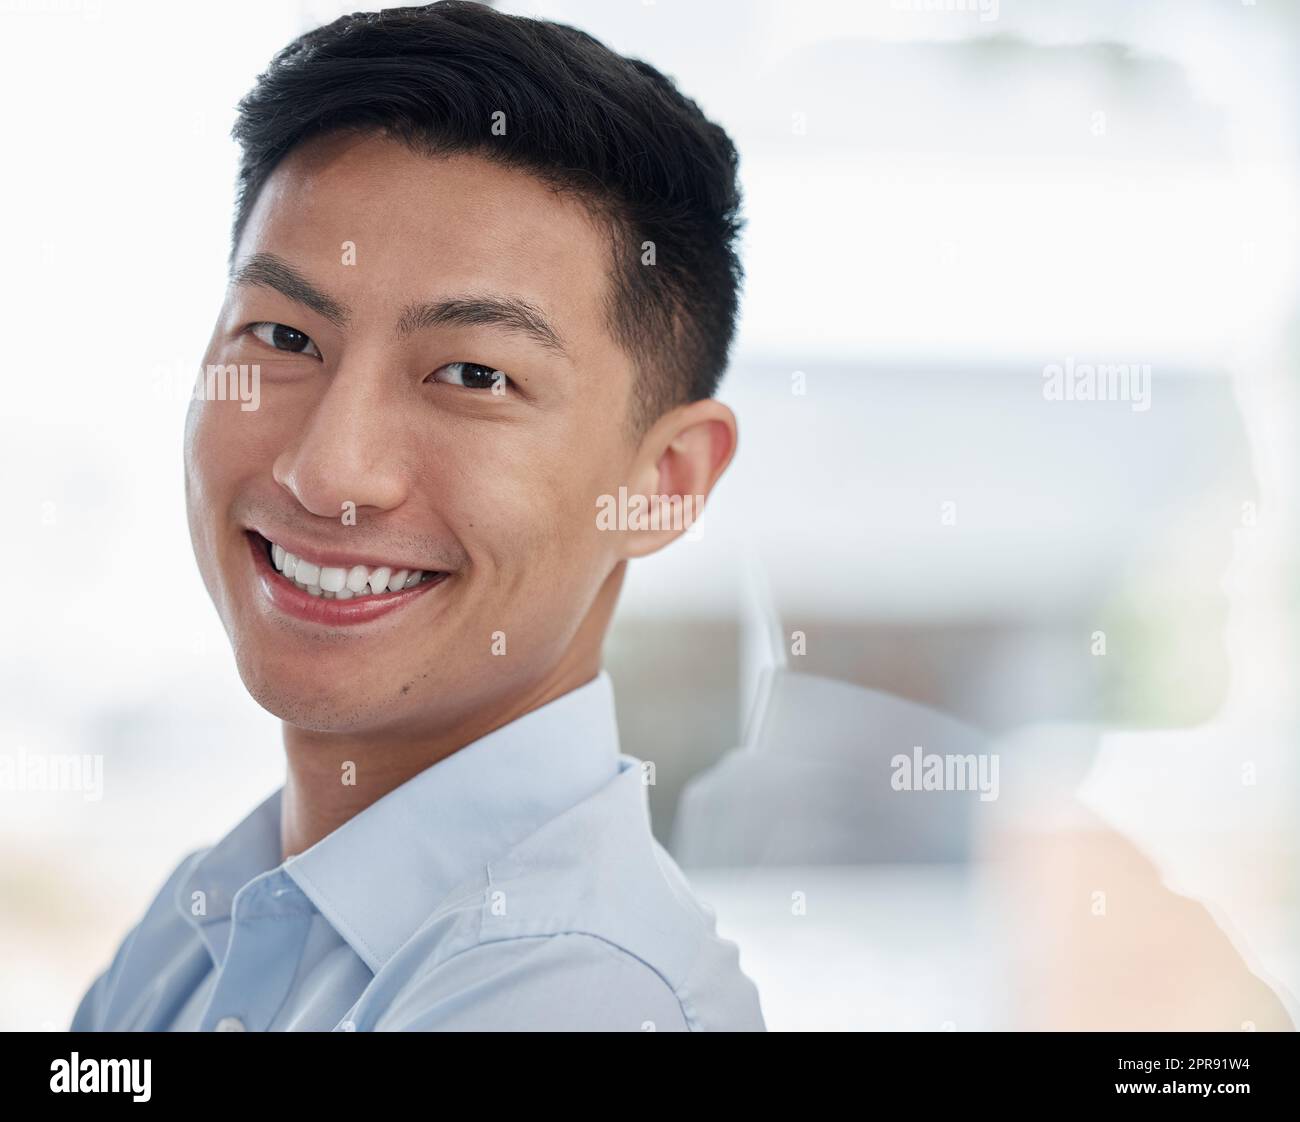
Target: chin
306	703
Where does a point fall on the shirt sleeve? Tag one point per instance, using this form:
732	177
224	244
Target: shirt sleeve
93	1006
570	982
89	1016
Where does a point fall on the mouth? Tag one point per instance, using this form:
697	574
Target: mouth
331	590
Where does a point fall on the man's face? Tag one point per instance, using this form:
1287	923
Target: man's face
382	436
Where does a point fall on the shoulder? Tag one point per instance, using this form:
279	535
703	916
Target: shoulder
587	924
570	981
143	946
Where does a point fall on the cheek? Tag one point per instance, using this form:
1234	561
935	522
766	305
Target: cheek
224	442
224	446
531	526
207	492
203	463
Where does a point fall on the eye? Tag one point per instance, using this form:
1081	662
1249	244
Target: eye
285	338
473	376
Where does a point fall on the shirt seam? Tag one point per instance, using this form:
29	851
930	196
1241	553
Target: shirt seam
622	951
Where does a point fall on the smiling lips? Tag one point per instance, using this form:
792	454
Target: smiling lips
335	594
340	583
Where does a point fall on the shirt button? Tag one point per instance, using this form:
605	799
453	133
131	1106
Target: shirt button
229	1024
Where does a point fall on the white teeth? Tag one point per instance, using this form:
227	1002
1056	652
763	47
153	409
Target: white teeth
334	582
332	579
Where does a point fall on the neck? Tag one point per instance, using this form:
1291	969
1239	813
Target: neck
330	776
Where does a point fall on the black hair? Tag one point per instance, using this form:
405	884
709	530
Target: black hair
613	130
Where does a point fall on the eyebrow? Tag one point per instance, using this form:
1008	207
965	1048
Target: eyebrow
513	313
510	312
268	271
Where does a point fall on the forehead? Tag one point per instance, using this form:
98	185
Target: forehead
422	225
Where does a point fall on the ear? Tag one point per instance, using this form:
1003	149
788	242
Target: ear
674	471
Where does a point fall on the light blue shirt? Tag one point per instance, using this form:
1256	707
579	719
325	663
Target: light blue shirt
514	885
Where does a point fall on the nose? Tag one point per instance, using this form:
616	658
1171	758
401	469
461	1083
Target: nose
347	451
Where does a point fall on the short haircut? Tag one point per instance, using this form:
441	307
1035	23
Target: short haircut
612	130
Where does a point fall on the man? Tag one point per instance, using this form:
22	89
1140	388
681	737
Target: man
483	279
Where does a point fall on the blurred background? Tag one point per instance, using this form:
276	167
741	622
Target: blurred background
919	546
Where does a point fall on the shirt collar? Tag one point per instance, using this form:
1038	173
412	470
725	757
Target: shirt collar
217	874
377	877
